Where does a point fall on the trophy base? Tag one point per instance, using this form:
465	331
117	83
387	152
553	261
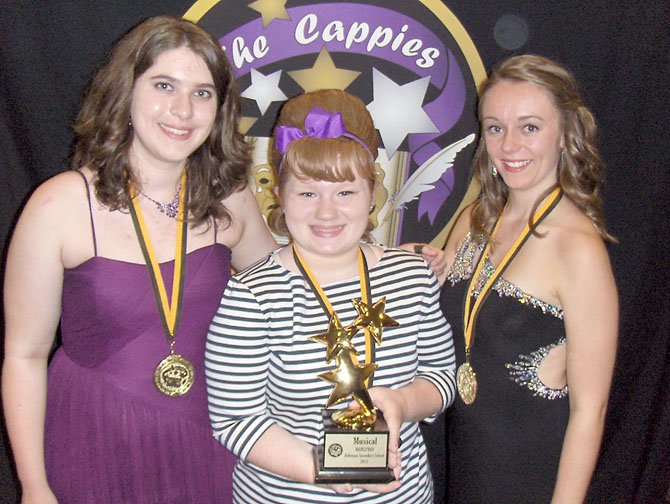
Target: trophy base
348	475
352	456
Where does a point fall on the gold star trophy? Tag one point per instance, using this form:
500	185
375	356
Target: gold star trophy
355	441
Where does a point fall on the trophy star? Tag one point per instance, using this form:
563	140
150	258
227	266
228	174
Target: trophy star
373	318
337	338
349	379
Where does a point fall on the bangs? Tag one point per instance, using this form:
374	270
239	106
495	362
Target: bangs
331	160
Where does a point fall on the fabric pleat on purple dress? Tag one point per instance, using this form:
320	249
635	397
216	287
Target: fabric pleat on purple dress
110	436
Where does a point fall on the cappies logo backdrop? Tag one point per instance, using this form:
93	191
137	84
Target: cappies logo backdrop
411	62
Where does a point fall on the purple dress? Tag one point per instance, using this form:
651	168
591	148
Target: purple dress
110	436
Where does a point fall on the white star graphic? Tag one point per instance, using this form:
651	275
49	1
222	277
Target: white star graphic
264	89
396	110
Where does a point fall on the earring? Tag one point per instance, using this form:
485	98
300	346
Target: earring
130	122
560	159
372	209
494	170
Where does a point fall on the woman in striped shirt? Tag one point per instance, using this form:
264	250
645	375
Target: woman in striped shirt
262	360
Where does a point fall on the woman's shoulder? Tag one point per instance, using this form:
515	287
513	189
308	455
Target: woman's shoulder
574	238
459	234
58	196
55	217
63	185
572	227
583	275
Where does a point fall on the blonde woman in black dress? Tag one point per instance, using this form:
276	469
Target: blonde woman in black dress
531	296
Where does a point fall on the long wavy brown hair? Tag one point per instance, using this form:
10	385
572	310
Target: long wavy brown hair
580	169
330	159
104	137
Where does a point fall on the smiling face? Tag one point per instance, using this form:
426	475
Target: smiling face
173	109
523	134
326	219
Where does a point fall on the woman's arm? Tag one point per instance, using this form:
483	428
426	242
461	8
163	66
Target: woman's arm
255	240
589	299
32	300
434	386
236	365
411	403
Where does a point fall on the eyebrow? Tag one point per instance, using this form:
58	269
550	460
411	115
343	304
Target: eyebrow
174	80
522	118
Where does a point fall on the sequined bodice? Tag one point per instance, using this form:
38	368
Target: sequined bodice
464	265
524	370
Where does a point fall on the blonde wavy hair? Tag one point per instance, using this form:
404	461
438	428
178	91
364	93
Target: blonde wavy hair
580	169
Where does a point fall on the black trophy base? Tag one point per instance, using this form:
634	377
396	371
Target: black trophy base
352	456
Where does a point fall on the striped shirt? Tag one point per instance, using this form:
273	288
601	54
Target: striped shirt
262	368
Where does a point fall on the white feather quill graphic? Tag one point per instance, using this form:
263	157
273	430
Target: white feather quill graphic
424	178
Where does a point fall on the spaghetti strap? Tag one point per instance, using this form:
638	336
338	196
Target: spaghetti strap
90	213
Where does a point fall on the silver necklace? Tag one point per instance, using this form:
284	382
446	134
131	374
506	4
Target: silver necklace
170	209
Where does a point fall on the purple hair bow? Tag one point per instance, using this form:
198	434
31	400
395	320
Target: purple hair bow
319	123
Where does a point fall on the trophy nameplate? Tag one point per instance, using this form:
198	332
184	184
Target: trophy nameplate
353	456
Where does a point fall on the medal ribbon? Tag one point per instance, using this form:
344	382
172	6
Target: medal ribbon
470	314
364	276
170	313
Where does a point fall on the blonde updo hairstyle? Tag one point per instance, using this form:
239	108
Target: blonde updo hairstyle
324	159
580	169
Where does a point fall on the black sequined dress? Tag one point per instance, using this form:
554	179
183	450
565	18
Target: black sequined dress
505	447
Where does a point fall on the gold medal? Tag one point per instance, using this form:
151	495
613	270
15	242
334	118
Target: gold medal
466	381
174	375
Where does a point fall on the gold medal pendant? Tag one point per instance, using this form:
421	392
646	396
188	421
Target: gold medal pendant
466	381
174	375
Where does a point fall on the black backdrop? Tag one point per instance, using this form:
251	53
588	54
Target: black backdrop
618	51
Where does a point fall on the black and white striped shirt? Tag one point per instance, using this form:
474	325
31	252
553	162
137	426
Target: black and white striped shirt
262	368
